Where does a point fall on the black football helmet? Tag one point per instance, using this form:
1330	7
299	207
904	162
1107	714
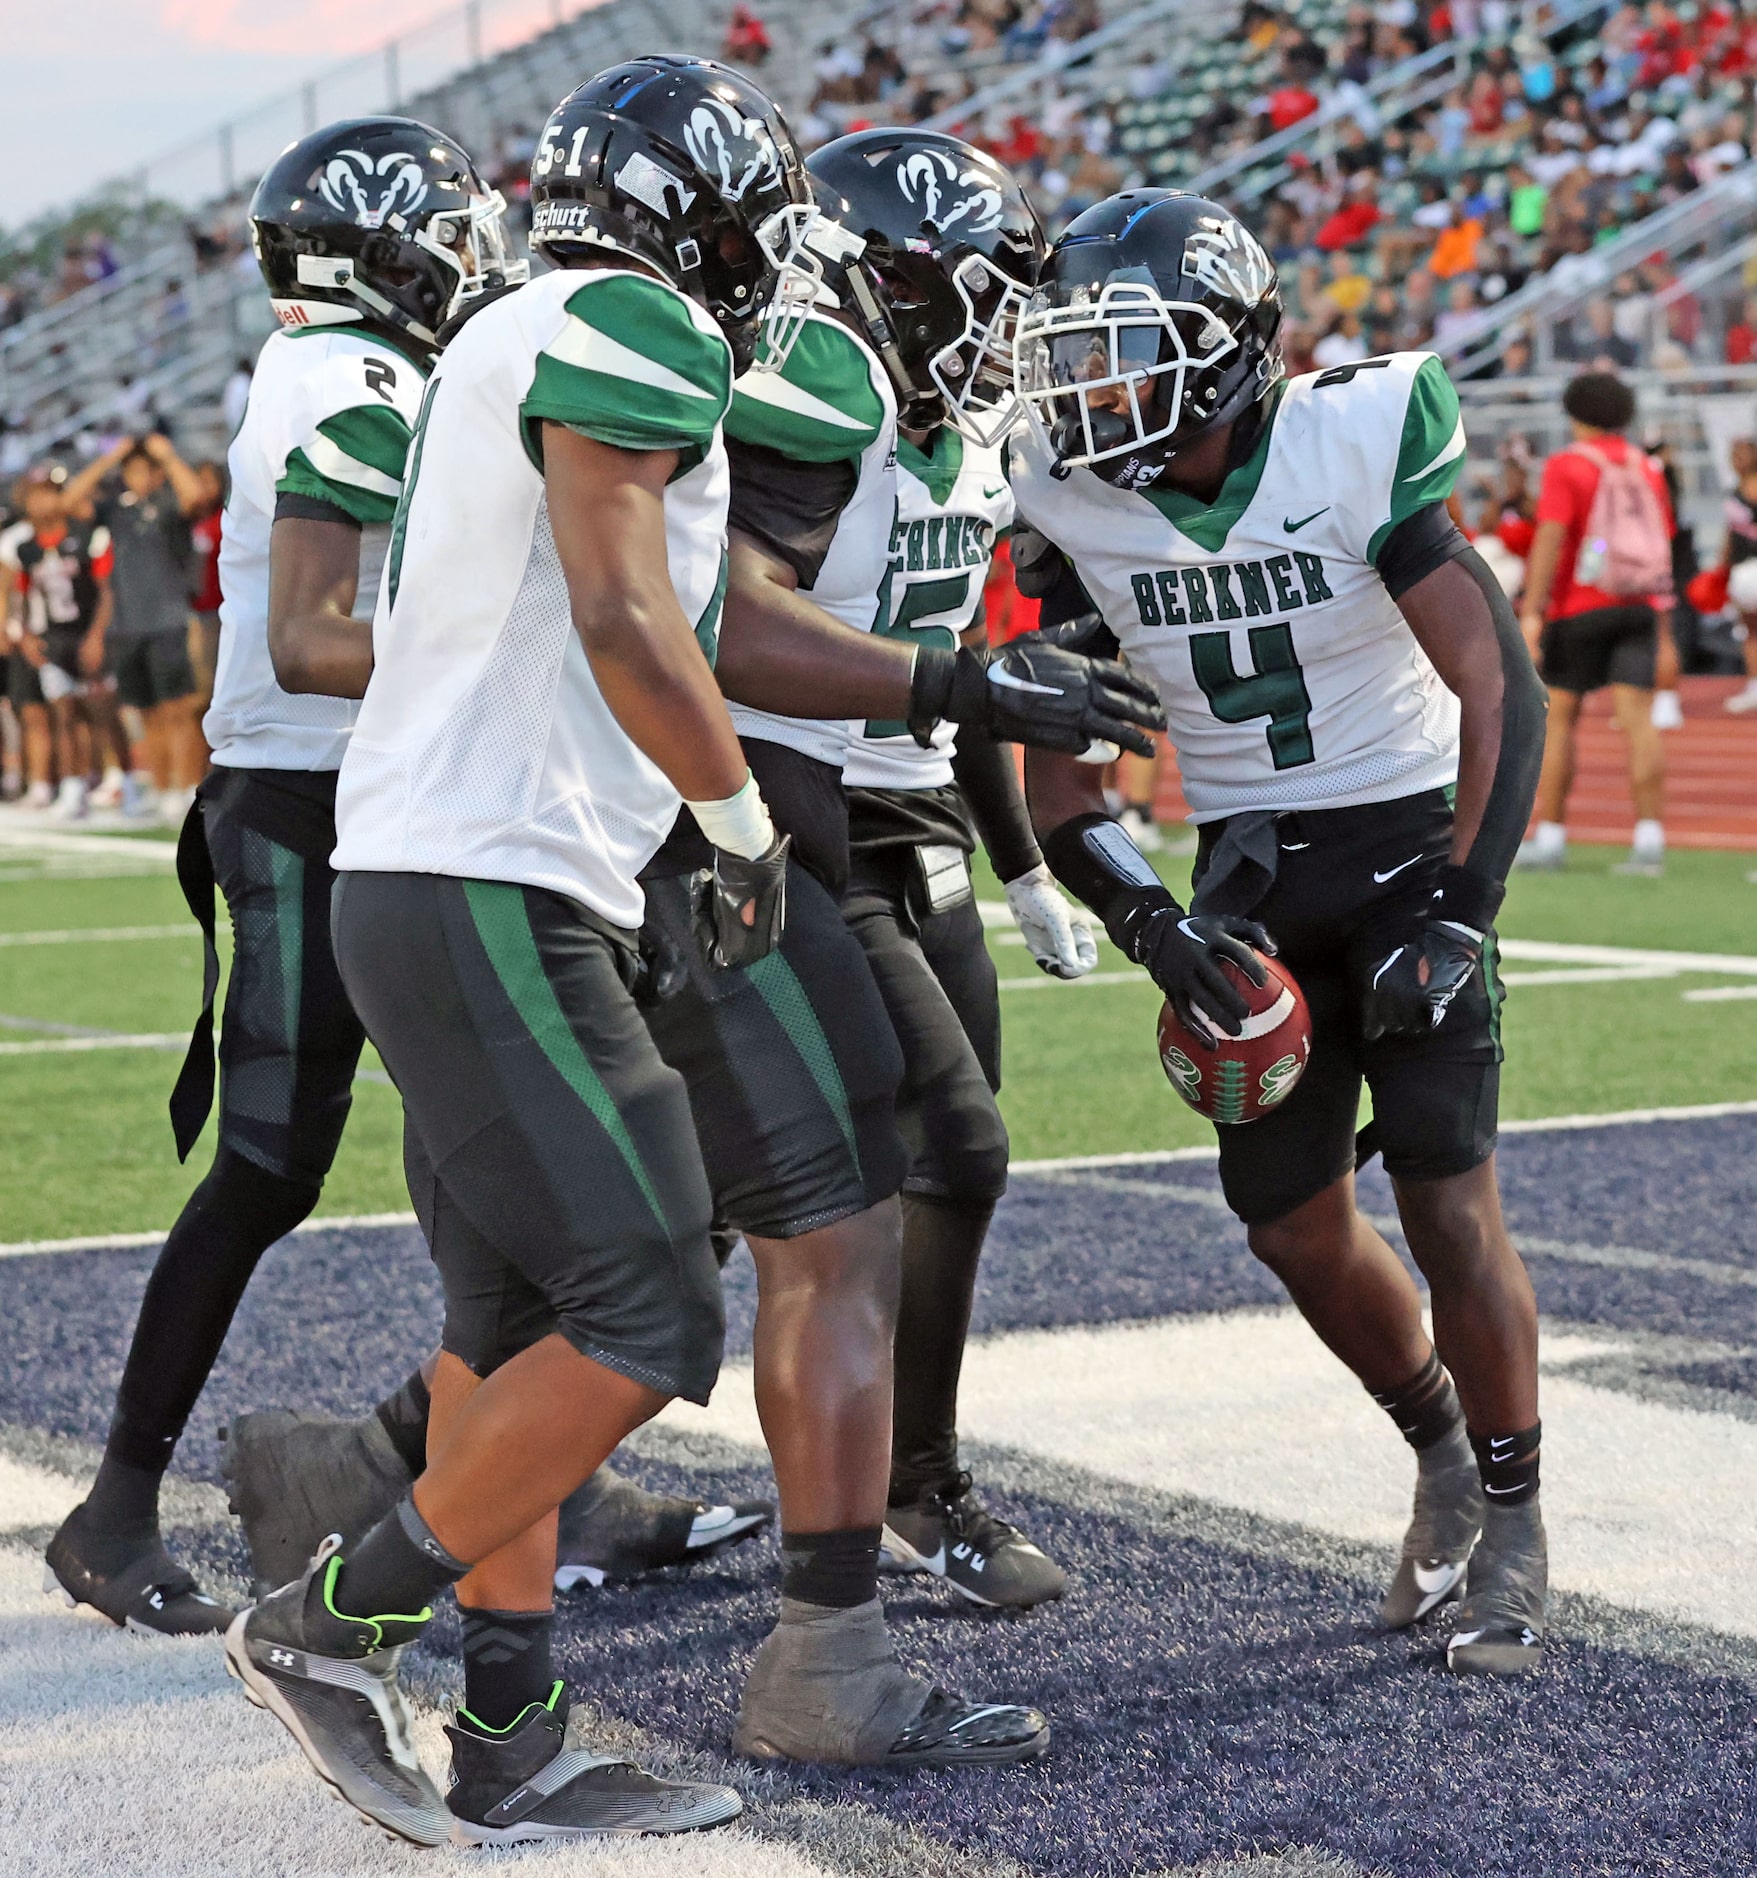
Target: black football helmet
1157	318
686	166
952	250
379	221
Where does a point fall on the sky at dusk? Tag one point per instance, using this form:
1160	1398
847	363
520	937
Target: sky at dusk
95	88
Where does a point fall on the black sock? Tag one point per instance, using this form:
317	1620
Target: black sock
506	1664
836	1569
1508	1465
403	1416
122	1507
1425	1408
942	1245
229	1221
397	1569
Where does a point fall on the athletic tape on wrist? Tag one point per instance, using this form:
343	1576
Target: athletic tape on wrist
739	823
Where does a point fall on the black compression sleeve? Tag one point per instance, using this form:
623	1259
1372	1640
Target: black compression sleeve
792	508
1043	573
1524	706
312	509
1416	546
1093	857
984	770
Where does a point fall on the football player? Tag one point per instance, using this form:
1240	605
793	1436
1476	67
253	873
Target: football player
521	752
951	250
1359	729
370	234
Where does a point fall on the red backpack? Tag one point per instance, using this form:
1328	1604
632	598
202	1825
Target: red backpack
1626	549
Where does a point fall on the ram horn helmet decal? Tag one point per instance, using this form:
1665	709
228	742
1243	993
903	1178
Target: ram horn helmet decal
1227	258
933	179
738	150
371	193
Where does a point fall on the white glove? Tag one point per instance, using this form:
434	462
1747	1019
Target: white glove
1061	934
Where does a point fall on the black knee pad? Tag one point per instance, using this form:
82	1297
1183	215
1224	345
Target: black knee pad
967	1170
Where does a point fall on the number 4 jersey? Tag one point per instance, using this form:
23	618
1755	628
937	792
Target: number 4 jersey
1289	677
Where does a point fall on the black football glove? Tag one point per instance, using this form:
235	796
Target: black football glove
1412	987
1182	954
741	906
1033	691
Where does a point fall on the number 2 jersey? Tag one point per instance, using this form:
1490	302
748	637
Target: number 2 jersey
484	748
953	506
1289	677
325	434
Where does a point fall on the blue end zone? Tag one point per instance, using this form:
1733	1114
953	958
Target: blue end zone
1215	1682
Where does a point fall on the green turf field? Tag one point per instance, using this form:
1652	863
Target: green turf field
89	1145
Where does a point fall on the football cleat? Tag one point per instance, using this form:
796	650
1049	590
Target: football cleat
1501	1621
826	1687
148	1593
1442	1530
612	1529
294	1478
952	1535
331	1681
534	1780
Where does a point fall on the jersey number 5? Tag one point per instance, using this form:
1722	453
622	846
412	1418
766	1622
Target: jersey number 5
1276	689
925	597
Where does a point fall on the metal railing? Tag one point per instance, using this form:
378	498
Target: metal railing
1718	213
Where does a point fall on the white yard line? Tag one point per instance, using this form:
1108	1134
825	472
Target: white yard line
80	1046
1648	1505
1720	994
100	935
126	1241
54	841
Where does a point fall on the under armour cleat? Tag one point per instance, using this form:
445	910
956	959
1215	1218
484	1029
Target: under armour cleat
295	1478
536	1780
612	1529
826	1686
1444	1527
331	1681
148	1592
1501	1621
952	1535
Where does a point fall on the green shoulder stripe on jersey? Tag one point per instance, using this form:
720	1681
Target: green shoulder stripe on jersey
1430	454
504	926
1208	524
821	407
354	460
938	466
631	368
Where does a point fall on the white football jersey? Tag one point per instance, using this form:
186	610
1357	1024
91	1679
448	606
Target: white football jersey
1289	676
484	747
330	415
953	505
831	402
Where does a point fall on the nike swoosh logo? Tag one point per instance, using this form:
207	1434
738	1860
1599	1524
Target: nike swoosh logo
1432	1578
999	675
1293	528
992	493
1395	871
1383	969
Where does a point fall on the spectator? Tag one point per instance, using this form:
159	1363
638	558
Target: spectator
747	39
1741	336
1740	563
1595	608
1342	344
147	642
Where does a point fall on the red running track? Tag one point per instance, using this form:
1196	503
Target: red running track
1711	775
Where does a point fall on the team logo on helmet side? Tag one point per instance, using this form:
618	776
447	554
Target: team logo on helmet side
739	150
1227	258
930	177
370	193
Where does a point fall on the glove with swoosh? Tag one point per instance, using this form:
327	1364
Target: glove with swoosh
1412	987
1182	954
1034	691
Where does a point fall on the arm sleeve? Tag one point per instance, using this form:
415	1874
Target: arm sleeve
984	770
1043	573
791	507
1524	706
1416	546
634	366
301	508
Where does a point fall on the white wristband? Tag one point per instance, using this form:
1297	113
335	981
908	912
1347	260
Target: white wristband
740	824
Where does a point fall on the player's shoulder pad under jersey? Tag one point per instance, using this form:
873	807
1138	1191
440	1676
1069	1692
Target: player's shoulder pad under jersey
354	414
1388	431
823	406
629	361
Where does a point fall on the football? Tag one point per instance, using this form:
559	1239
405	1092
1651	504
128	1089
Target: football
1251	1073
